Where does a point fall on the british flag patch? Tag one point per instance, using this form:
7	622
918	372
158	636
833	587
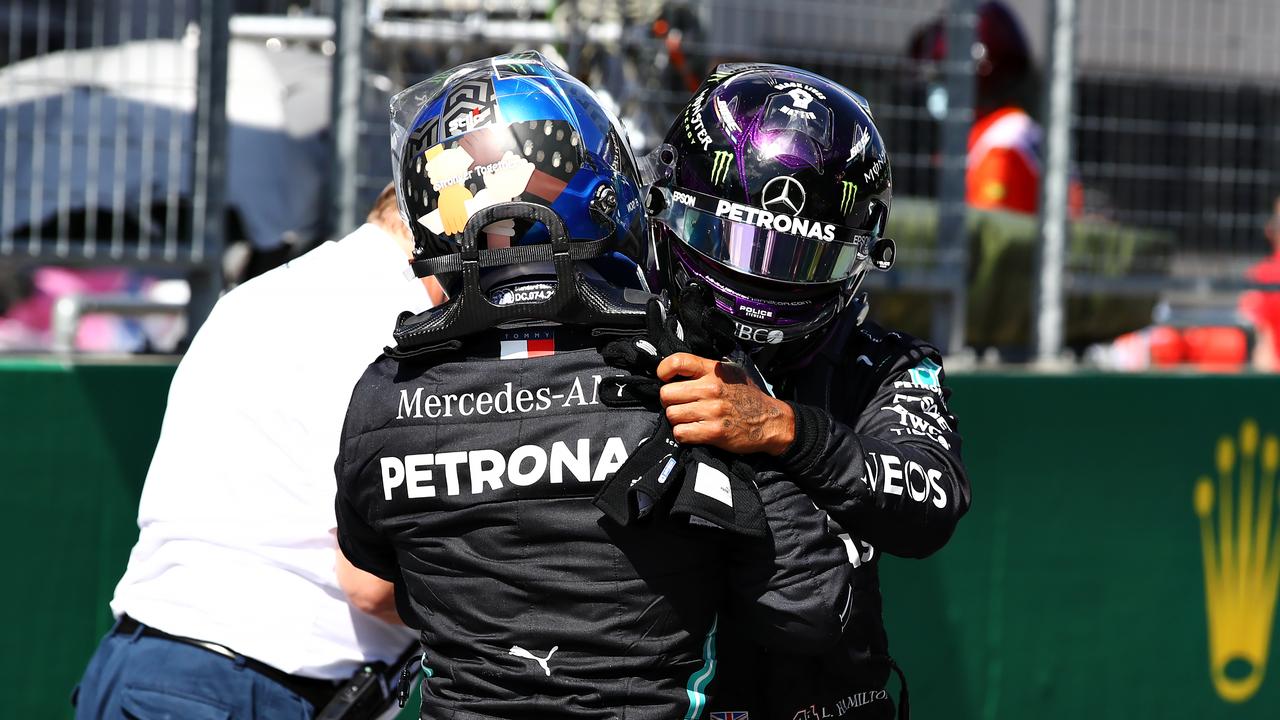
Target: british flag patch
527	344
730	715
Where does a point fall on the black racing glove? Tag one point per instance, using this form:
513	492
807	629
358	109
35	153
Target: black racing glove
698	483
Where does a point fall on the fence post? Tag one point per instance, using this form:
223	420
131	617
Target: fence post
1050	296
348	62
951	309
209	183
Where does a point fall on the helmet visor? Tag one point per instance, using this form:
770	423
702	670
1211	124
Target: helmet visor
765	244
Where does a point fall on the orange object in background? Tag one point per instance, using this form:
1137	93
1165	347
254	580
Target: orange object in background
1004	165
1217	348
1263	308
1167	346
1211	348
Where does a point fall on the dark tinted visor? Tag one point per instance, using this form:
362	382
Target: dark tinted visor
765	244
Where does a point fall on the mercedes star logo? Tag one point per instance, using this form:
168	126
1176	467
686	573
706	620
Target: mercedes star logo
783	194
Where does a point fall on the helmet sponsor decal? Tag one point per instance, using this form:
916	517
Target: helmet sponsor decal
769	220
695	128
783	194
862	138
758	335
803	227
873	173
848	194
728	122
720	166
470	106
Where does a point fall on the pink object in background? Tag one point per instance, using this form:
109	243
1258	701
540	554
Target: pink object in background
26	326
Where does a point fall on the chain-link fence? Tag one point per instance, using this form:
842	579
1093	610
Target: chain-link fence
112	137
646	57
101	114
1176	125
1173	144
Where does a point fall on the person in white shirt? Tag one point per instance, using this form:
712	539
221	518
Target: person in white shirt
236	602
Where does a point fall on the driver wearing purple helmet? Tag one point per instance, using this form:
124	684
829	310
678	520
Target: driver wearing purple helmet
773	193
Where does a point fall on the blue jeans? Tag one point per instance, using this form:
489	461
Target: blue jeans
143	678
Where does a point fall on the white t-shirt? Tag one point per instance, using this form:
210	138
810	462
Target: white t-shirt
237	543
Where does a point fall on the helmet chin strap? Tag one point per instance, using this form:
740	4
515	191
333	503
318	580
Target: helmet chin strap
575	300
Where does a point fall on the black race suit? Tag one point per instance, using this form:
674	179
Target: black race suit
877	450
467	482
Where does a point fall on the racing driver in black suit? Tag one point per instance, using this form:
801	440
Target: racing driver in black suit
473	450
774	195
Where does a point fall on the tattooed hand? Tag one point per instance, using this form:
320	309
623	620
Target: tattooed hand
716	404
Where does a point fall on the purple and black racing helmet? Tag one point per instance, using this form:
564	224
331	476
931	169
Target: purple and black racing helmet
774	190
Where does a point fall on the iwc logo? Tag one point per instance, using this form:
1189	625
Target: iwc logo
1241	549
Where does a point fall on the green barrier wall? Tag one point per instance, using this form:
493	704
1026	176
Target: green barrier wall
1075	587
74	447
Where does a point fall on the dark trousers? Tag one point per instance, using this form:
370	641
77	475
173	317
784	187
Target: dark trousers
130	676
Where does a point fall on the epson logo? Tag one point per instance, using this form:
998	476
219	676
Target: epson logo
429	475
684	198
534	293
761	336
804	227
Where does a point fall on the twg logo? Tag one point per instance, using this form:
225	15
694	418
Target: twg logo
1238	534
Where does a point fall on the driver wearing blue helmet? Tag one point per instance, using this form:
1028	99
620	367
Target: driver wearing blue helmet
473	449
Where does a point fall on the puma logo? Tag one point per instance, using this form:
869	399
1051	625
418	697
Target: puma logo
522	653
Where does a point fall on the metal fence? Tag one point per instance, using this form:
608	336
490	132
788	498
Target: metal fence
1171	123
111	135
1176	123
647	57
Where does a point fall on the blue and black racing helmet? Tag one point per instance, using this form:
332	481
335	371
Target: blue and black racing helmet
512	165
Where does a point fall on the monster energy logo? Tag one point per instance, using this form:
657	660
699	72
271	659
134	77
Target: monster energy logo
720	168
848	193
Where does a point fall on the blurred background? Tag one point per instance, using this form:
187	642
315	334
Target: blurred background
1081	187
156	152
